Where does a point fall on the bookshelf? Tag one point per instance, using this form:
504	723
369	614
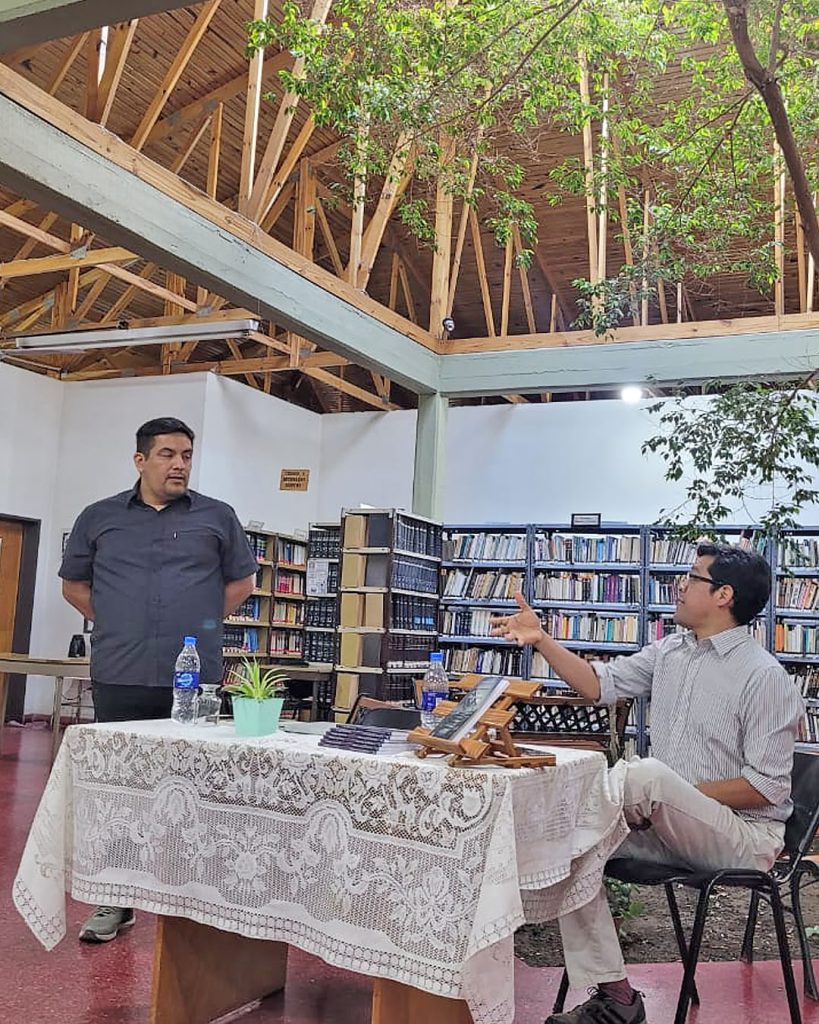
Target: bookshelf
483	567
321	607
388	604
289	598
247	631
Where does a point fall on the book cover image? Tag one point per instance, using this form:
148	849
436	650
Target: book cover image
461	719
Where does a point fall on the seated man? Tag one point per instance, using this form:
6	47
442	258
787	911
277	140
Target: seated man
716	792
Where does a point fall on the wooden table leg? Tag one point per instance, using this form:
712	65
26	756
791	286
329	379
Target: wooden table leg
201	973
4	693
394	1003
55	716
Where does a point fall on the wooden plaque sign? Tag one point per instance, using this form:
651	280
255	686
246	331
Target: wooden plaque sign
294	480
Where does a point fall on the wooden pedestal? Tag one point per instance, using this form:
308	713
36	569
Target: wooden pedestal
394	1003
201	973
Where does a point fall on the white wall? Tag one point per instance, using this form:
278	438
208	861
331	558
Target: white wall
30	415
248	438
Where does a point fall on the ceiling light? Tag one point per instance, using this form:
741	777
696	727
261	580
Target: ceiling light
631	394
80	341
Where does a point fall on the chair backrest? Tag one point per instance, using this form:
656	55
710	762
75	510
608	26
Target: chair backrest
803	823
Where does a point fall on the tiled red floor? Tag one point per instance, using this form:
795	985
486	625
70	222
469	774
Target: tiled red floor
78	984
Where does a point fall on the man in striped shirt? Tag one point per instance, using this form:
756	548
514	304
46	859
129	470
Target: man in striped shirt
716	791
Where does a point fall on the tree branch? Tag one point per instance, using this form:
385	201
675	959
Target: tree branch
767	86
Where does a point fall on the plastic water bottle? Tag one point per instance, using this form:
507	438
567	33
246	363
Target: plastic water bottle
209	702
186	683
435	687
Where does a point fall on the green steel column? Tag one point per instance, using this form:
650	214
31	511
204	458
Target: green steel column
430	456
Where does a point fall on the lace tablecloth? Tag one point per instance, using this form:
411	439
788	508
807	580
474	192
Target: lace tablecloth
391	867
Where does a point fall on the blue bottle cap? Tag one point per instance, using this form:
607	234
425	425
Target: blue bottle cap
436	656
190	641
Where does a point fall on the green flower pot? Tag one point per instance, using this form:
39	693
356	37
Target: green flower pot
257	717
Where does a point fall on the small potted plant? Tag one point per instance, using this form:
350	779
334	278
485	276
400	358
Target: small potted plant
258	698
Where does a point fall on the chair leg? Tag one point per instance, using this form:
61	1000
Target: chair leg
682	945
686	989
809	979
785	955
562	991
747	952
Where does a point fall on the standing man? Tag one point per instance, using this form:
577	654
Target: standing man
716	792
149	566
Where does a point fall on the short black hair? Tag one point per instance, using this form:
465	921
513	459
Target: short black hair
162	425
746	572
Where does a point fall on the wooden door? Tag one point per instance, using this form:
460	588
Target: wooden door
11	549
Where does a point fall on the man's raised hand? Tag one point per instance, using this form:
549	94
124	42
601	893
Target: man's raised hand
521	628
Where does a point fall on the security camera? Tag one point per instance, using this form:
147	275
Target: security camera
448	324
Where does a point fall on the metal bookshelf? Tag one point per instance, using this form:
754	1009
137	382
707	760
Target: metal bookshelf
481	552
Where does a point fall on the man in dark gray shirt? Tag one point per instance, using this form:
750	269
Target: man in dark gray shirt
150	566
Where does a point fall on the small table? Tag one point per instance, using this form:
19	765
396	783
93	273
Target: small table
406	870
59	668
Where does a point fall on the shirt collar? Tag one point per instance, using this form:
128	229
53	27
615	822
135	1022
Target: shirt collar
724	642
132	497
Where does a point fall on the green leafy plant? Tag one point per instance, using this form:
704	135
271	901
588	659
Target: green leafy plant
621	903
751	441
254	684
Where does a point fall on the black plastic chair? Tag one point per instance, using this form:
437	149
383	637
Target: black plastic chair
785	875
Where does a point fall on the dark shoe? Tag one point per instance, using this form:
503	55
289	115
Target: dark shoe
602	1009
106	923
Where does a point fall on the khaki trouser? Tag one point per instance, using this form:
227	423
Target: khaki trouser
687	828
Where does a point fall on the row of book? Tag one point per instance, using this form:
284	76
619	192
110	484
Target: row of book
287	613
414	613
578	547
321	611
811	726
415	535
285	642
320	647
489	547
289	582
672	551
408	574
467	621
249	609
663	625
604	588
506	660
796	638
405	651
798	592
591	626
325	541
237	639
258	543
292	551
483	585
801	552
806	679
663	590
541	669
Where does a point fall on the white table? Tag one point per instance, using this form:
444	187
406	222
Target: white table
405	870
59	668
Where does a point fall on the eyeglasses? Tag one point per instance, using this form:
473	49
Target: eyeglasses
693	577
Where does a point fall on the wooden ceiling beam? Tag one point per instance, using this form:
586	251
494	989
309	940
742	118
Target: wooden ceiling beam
116	55
71	261
348	388
396	180
223	367
197	109
174	72
253	99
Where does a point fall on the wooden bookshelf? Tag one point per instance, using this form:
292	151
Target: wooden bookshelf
388	604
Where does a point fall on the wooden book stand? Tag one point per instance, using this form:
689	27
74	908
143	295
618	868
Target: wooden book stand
479	748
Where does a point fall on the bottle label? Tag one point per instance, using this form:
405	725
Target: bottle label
430	698
186	680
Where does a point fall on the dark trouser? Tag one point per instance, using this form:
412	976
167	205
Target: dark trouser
114	702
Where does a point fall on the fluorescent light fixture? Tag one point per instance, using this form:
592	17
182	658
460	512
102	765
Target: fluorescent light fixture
80	341
631	394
